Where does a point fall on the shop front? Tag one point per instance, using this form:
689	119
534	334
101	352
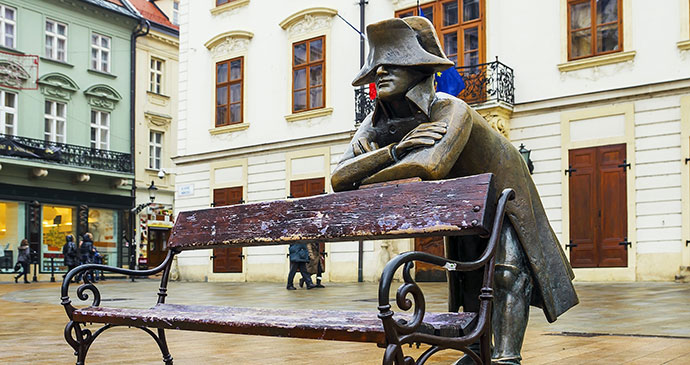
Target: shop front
47	216
155	225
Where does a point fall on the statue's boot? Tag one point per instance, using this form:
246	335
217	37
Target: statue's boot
510	313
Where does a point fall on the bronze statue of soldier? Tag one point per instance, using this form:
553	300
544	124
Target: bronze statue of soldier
417	132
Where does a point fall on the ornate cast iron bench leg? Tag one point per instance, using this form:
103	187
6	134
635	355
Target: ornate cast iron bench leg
81	338
399	333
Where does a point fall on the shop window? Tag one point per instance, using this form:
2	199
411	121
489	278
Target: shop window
100	130
100	52
57	223
229	85
8	112
56	40
156	76
594	28
155	149
103	225
8	26
459	25
55	121
11	224
308	62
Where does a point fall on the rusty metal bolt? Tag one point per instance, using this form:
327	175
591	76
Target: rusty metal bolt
476	208
474	222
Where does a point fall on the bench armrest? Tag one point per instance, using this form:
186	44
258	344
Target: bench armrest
397	332
88	285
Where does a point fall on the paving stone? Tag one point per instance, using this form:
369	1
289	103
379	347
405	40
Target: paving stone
634	313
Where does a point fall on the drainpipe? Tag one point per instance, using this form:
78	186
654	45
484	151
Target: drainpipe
141	30
360	250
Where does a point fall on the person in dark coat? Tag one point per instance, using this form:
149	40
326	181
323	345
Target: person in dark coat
70	253
415	131
315	264
86	253
299	256
24	258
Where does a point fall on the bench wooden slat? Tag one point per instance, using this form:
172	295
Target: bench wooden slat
310	324
449	207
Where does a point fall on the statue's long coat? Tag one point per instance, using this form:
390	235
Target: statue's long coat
470	146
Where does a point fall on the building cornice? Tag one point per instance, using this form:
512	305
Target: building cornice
603	96
297	143
165	38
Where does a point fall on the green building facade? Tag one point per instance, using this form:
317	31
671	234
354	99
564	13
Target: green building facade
65	127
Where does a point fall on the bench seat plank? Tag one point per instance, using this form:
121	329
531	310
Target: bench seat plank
458	206
309	324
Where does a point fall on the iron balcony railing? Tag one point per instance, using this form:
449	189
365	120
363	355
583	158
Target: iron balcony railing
64	154
486	82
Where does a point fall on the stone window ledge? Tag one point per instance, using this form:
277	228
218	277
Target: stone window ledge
684	45
597	61
57	62
106	74
321	112
229	128
233	4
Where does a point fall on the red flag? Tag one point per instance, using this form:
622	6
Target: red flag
372	91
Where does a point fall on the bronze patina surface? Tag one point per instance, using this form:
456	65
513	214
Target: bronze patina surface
416	132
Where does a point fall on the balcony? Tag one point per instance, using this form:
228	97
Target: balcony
64	154
484	83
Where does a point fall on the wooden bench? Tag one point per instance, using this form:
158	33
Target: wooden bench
462	206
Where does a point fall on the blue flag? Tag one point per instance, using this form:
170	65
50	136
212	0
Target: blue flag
449	81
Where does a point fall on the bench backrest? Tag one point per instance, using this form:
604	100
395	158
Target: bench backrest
458	206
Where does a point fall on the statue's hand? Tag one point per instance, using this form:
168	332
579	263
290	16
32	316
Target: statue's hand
362	145
425	135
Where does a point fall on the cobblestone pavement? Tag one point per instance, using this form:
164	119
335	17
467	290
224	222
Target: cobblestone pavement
615	323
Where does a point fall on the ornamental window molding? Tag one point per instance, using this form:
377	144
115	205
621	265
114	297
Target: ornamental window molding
308	21
158	120
229	43
12	74
102	96
57	85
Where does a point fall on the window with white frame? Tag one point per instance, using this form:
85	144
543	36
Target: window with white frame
100	52
176	13
55	121
156	76
100	130
155	149
8	112
8	26
56	40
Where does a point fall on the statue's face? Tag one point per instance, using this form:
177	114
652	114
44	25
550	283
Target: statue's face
394	81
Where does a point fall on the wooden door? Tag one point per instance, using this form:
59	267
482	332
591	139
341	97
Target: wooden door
157	248
310	187
598	207
429	272
227	259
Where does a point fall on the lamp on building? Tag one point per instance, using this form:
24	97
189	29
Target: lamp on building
152	191
525	155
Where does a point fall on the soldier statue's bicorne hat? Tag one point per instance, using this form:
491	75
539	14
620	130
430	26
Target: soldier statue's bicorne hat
411	41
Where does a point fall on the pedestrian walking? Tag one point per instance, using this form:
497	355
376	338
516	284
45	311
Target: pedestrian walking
98	259
23	259
70	253
315	265
299	256
86	252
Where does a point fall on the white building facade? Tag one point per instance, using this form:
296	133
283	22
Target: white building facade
254	127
